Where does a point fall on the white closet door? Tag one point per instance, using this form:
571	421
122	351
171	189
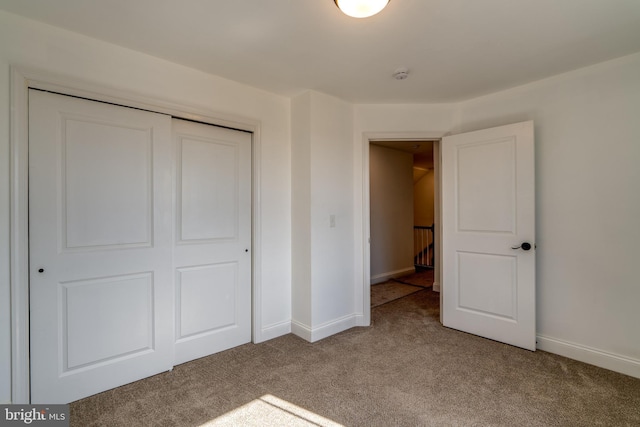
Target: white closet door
213	239
100	227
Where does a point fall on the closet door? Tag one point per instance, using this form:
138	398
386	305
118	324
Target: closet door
100	227
213	239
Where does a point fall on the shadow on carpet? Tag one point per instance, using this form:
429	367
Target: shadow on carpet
423	279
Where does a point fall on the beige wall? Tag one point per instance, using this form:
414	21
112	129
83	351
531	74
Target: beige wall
391	201
423	204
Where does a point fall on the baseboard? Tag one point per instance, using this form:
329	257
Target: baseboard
325	330
360	320
383	277
436	287
301	330
273	331
592	356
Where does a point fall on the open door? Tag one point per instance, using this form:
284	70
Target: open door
488	219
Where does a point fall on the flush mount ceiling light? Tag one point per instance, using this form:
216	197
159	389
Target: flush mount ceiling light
361	8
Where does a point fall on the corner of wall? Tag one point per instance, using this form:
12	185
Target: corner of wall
325	330
301	330
275	330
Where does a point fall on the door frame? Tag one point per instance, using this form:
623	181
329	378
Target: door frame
23	79
367	139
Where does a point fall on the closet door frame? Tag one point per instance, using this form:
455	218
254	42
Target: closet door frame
23	79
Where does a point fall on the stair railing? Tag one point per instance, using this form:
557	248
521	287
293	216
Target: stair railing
423	241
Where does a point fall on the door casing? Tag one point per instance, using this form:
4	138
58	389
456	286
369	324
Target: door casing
22	79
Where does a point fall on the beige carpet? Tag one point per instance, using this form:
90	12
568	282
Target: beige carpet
385	292
423	278
404	370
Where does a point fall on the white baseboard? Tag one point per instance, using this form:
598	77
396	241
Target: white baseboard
592	356
273	331
436	287
360	320
301	330
383	277
325	330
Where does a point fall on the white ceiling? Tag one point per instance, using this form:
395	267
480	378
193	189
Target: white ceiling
454	49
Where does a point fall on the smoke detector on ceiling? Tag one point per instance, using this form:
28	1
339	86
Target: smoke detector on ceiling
401	73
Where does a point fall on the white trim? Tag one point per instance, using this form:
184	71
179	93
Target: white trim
436	287
364	319
274	331
21	80
19	241
592	356
333	327
326	329
382	277
45	80
256	233
301	330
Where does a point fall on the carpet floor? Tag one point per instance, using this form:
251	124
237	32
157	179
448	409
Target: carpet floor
423	278
400	287
391	290
404	370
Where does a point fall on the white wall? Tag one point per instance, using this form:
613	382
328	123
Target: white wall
391	210
587	134
588	205
331	190
322	144
301	210
31	44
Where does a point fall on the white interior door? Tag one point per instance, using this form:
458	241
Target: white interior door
100	239
213	244
488	218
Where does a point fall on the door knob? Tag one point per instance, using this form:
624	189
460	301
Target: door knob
524	246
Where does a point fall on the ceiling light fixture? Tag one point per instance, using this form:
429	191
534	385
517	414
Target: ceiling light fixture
361	8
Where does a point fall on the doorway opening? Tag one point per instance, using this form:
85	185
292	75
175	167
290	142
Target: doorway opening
402	208
484	215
